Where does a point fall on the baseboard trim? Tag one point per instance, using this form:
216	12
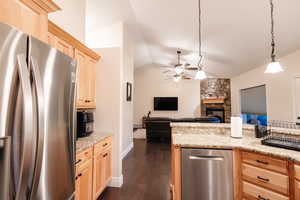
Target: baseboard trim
116	182
127	150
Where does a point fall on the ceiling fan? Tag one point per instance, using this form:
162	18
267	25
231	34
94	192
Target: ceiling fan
180	68
180	71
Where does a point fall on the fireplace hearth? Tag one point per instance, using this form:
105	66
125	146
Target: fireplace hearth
216	112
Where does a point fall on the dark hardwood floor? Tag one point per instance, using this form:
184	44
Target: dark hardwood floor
146	171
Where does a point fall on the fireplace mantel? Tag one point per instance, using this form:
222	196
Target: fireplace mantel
219	100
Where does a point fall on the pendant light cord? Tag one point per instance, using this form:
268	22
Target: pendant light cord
272	32
200	36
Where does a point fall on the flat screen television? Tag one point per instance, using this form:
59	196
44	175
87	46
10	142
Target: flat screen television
166	103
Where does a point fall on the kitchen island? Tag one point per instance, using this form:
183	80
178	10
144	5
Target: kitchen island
278	167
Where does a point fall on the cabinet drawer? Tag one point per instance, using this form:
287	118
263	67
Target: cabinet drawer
83	156
268	179
102	145
253	192
297	172
265	162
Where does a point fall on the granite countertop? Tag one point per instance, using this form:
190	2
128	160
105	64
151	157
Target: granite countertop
214	136
206	125
86	142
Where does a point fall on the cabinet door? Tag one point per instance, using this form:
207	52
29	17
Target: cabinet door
84	181
91	82
64	47
52	40
98	176
297	189
81	79
27	19
107	155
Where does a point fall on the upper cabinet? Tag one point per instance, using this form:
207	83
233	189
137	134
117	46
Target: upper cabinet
86	67
29	16
86	64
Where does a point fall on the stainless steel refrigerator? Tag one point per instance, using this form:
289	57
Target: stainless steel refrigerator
37	119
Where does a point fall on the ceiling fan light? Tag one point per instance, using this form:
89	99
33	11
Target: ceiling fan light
200	75
273	67
177	79
178	70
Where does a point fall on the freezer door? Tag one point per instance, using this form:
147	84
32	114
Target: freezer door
207	174
55	152
16	110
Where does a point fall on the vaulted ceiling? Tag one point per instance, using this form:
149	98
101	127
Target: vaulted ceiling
236	34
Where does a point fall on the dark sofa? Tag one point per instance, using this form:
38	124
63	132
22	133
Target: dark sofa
159	129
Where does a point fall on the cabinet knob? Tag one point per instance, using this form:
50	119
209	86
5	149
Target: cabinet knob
78	161
262	162
262	198
105	155
263	179
104	145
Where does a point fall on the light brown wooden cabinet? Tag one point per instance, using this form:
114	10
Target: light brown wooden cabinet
93	170
60	45
102	169
297	189
86	67
86	64
29	16
84	181
256	176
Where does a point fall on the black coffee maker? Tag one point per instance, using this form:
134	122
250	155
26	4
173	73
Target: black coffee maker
85	123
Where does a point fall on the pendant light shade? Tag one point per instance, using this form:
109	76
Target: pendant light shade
200	75
273	67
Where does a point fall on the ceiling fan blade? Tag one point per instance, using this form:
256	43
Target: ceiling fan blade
191	68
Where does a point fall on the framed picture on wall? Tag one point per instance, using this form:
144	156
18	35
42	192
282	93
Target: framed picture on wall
128	91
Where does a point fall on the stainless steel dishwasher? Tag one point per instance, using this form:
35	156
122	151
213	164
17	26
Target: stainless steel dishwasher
207	174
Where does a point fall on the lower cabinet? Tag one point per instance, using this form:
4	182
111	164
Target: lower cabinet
93	170
84	181
256	176
102	171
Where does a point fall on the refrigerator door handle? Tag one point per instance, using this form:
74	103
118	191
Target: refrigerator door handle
73	117
26	149
208	158
40	124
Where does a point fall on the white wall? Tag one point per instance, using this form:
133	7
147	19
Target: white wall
107	37
71	18
151	82
279	88
108	93
127	106
114	113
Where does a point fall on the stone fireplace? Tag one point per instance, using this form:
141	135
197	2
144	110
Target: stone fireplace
216	98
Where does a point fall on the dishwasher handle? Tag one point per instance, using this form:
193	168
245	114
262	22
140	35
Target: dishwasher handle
208	158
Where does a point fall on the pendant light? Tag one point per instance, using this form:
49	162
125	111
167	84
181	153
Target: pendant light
200	75
274	66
